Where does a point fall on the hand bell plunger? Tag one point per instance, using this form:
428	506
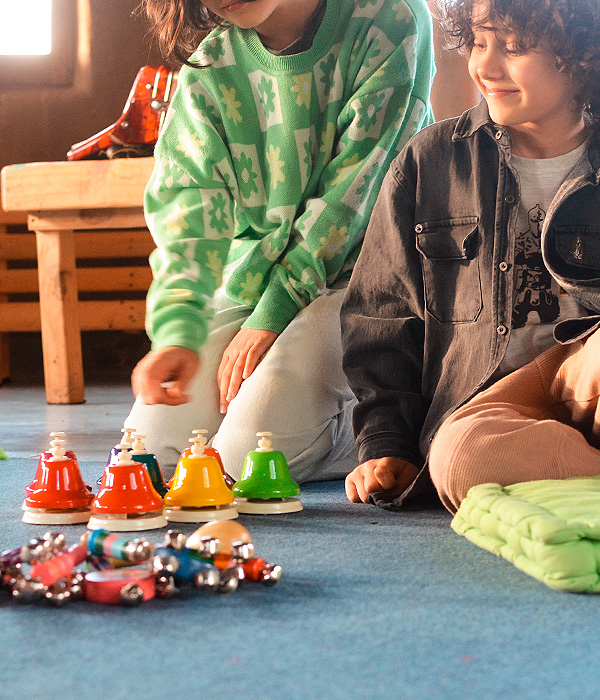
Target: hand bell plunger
125	443
266	485
127	500
198	492
58	494
212	452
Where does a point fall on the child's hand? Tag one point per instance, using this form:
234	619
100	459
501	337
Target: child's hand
389	475
164	375
239	360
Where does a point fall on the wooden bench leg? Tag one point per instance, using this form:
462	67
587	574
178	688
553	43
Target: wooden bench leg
4	357
4	337
61	334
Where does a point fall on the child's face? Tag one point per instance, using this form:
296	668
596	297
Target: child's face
249	14
241	13
523	91
279	22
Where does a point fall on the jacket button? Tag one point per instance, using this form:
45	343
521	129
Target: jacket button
509	199
499	134
503	266
501	330
418	228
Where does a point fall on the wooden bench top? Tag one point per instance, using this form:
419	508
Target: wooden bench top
84	184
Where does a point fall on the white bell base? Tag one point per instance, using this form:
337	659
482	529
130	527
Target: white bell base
176	514
264	506
39	516
127	522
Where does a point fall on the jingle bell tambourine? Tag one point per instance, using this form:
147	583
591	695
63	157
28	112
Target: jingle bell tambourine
127	500
266	485
198	492
58	494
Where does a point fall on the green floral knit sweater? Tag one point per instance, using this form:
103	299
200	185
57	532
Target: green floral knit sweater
268	166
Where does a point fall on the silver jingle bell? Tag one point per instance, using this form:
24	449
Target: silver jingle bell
208	547
242	551
33	550
76	583
131	594
164	564
56	540
175	539
271	574
165	587
209	578
139	551
26	590
229	582
58	595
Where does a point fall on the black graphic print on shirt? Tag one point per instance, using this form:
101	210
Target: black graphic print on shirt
533	282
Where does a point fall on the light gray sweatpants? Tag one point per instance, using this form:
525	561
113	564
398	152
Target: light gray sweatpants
298	392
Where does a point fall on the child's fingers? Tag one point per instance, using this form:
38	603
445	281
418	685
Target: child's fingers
351	490
236	378
373	483
384	477
253	357
403	475
164	375
358	484
224	378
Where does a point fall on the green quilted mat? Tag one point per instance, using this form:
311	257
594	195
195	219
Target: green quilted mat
548	529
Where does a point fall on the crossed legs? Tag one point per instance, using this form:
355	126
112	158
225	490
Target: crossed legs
539	422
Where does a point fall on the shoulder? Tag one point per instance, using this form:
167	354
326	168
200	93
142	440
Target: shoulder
393	16
214	50
429	156
431	144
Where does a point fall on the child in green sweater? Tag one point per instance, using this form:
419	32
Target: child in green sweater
282	127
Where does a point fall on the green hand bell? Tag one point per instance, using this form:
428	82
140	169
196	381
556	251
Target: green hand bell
266	485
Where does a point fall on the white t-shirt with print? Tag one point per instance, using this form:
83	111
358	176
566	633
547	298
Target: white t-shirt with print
539	303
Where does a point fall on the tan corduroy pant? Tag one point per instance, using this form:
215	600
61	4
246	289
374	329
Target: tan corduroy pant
540	422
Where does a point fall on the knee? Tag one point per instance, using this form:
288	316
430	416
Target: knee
459	458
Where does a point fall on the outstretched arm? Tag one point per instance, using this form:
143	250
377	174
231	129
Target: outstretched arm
383	336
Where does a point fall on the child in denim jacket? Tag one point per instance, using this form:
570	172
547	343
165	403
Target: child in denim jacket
471	324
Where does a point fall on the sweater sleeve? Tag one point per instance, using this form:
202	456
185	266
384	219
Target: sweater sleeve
189	206
388	104
383	332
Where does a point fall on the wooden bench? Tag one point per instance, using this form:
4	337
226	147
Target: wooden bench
90	245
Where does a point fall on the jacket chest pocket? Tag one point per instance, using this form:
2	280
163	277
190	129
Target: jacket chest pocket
451	269
578	249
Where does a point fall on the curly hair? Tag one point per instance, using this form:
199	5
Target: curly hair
179	26
570	27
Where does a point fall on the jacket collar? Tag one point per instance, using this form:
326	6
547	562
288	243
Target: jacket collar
478	117
472	120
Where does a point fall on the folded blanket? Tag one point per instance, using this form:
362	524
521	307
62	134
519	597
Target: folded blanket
549	529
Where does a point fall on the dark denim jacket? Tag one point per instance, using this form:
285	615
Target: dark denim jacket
427	315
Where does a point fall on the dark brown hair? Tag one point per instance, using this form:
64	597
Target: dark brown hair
179	26
571	28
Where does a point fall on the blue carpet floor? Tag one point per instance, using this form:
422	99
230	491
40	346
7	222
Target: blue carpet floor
371	605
